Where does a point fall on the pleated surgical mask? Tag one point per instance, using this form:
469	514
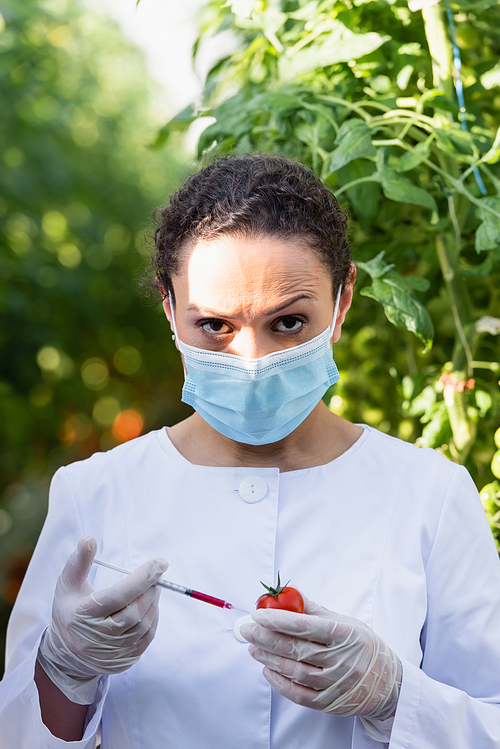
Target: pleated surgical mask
258	401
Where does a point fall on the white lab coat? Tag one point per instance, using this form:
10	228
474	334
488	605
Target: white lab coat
388	533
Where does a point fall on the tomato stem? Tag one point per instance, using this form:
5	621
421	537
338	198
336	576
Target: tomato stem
274	592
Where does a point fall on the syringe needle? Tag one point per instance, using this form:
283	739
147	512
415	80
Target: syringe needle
177	588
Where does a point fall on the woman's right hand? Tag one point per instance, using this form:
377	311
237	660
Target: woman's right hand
91	634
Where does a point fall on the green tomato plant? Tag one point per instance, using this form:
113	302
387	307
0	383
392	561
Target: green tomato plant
363	92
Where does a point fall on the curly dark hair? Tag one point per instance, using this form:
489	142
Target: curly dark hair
252	195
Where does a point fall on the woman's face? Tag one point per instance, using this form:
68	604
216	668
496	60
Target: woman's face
253	296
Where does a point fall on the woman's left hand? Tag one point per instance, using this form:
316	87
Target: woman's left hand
326	661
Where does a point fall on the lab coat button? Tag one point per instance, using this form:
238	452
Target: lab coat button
236	629
253	489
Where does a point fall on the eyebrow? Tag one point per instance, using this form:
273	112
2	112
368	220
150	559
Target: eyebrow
289	304
269	313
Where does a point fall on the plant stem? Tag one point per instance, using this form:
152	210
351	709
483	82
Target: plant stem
355	182
359	108
456	225
411	362
440	49
492	177
463	428
494	366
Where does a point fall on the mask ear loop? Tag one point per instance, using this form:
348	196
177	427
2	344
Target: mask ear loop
336	310
175	335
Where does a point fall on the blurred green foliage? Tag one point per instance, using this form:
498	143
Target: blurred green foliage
85	360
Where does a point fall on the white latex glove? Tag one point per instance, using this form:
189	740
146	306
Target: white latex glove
91	634
327	661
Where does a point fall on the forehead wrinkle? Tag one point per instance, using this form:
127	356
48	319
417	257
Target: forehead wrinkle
234	277
244	257
239	297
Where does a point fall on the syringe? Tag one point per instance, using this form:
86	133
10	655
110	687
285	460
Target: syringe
178	589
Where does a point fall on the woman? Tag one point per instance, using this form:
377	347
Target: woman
254	268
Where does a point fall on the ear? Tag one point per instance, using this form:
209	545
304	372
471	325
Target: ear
345	303
167	308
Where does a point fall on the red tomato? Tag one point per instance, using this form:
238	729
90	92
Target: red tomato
281	597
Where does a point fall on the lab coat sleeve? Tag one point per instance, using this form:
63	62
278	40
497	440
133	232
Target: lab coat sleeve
21	725
453	700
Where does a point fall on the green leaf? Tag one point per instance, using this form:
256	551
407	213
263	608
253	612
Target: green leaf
401	306
376	267
271	21
417	282
493	154
403	77
340	45
410	160
483	270
306	12
489	209
437	99
483	402
459	143
278	102
488	233
364	197
419	402
437	430
242	8
492	77
402	190
487	236
354	140
178	123
408	387
311	134
234	119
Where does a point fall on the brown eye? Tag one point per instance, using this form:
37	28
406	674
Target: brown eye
288	324
214	327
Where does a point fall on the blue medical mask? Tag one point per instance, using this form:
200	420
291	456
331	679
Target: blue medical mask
258	401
